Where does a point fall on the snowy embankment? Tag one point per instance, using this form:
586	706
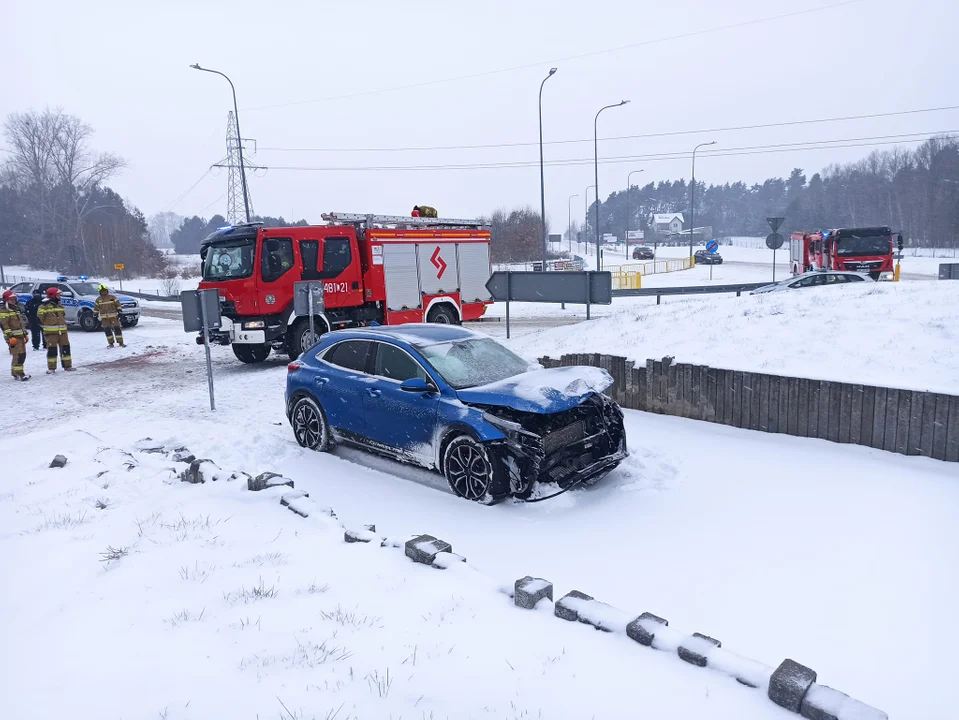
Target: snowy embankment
900	335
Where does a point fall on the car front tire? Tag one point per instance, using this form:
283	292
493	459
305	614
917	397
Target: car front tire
88	322
472	473
310	427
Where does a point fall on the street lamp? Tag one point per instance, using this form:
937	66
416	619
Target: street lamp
542	184
586	215
239	141
569	231
628	186
599	262
692	198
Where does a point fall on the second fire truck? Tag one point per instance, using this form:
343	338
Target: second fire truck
374	269
866	250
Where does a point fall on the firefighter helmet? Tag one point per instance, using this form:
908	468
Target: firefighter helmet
53	292
9	295
103	288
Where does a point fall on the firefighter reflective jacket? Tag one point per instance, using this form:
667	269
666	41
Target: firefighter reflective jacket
53	318
107	307
427	211
13	322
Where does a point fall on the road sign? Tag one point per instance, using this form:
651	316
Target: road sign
201	311
119	266
774	241
775	222
555	238
712	246
552	287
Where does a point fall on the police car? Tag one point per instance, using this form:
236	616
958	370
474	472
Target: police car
77	296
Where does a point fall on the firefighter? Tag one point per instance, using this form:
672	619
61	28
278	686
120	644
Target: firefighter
36	332
53	319
107	308
427	211
416	211
14	326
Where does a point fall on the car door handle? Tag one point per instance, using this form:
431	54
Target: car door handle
320	380
373	392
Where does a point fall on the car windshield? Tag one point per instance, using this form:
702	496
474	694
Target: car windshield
472	361
847	246
84	288
229	260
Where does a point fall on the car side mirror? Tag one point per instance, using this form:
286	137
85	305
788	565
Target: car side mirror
417	385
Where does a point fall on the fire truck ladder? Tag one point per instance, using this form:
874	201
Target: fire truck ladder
398	221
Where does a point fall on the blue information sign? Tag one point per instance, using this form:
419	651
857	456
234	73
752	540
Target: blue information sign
712	246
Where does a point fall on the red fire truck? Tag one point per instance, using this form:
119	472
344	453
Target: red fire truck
866	250
374	268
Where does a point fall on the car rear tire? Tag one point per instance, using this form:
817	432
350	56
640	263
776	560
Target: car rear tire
88	322
472	473
251	354
441	314
310	427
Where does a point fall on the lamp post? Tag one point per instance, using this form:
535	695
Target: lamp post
628	186
542	184
692	198
239	141
599	261
586	214
569	231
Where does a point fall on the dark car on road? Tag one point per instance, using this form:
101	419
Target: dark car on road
707	258
456	401
643	253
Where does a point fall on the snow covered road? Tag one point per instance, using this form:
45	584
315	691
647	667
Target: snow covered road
777	546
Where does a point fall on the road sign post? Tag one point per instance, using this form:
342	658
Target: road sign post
712	247
586	287
201	312
774	240
308	299
119	267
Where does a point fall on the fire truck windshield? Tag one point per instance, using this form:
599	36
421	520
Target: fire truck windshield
229	260
851	245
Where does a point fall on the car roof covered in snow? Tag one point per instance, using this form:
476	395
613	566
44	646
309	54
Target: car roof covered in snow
412	333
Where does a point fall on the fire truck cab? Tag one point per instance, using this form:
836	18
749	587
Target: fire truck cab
374	269
867	250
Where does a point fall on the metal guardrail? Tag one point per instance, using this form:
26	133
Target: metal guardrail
689	290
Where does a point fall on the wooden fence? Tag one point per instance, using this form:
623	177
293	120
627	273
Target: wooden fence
908	422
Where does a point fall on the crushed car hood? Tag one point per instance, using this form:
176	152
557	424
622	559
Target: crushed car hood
541	391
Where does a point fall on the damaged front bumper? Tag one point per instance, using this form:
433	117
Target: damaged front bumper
573	447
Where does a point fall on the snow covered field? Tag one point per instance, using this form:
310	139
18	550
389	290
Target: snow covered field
892	334
226	605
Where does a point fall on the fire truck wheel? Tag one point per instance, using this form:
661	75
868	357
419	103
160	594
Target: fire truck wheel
441	314
251	353
301	339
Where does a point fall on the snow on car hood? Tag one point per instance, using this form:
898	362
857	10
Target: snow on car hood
541	391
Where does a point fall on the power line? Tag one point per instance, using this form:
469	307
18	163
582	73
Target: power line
671	133
655	157
579	56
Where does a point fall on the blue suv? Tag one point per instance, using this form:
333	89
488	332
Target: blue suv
456	401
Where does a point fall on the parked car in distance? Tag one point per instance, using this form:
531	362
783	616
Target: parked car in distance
816	278
707	258
78	297
458	402
643	253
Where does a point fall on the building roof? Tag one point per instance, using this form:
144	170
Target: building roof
666	218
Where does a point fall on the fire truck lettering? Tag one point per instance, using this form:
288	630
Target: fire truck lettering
334	287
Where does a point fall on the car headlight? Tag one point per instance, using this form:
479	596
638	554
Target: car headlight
254	325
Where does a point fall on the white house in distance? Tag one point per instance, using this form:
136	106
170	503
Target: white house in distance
667	223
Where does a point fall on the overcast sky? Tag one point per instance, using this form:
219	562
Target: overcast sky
123	68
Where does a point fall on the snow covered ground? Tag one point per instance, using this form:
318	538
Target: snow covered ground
226	605
891	334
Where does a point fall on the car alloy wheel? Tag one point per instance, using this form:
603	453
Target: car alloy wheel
470	471
309	425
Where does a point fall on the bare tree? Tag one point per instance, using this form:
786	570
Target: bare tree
162	225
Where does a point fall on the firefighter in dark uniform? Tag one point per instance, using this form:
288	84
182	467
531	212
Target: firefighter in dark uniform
107	308
36	332
14	326
53	319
